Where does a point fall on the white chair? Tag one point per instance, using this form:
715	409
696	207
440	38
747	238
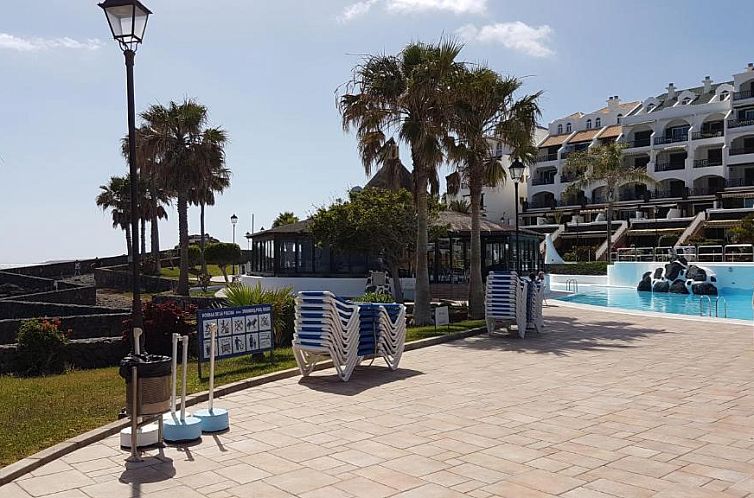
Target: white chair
505	301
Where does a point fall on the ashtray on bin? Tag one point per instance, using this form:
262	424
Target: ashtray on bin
153	383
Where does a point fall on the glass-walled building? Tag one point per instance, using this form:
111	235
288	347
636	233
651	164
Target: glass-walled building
290	250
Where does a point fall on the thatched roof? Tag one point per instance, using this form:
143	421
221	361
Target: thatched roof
382	180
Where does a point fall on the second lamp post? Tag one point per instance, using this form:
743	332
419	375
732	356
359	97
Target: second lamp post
233	221
516	170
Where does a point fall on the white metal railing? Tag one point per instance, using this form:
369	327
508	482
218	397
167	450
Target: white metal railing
709	254
731	253
717	306
738	252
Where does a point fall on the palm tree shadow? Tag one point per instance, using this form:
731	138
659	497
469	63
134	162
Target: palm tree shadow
363	378
564	335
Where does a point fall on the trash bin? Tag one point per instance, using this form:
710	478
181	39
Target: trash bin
153	387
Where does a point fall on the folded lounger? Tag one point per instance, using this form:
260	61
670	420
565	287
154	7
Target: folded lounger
505	301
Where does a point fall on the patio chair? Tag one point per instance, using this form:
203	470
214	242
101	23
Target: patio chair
506	301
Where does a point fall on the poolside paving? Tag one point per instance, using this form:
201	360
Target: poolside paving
600	405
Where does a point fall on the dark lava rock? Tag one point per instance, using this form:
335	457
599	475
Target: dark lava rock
679	287
683	261
704	289
661	286
658	273
645	284
696	274
672	270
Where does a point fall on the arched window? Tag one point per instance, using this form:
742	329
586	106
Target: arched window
724	95
588	124
686	101
568	127
560	129
598	122
620	117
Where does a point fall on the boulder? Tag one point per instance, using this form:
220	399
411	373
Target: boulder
679	287
658	273
672	270
704	289
696	274
661	286
645	284
683	261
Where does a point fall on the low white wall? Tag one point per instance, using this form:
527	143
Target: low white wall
730	275
581	279
346	287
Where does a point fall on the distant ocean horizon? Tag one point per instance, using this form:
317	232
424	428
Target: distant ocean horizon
5	266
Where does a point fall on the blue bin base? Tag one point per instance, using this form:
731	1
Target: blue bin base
214	421
175	430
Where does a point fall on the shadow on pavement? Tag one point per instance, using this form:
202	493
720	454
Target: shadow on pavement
363	378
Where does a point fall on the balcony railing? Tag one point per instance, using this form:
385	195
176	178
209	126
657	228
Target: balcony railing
741	150
672	139
706	163
738	123
546	157
543	181
665	194
643	142
669	166
699	135
746	94
705	190
739	182
542	203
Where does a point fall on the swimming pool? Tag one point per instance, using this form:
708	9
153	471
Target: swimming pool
738	301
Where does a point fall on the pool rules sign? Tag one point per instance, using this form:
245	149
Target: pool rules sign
241	330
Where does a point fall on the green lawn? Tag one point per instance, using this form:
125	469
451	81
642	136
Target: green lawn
169	272
39	412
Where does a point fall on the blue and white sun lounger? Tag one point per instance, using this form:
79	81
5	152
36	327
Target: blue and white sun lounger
505	301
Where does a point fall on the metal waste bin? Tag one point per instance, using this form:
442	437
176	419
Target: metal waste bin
153	383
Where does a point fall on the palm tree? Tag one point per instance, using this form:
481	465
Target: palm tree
485	106
405	95
116	196
177	138
216	178
603	165
285	218
459	206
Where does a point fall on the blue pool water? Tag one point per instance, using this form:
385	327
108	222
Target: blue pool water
738	301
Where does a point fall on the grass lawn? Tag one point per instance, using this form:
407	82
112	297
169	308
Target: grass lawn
38	412
169	272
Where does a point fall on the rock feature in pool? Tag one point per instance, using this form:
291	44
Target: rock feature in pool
680	278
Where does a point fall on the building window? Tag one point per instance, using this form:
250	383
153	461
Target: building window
588	124
724	95
568	127
598	122
686	101
620	117
560	129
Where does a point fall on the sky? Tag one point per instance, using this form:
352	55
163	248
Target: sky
268	71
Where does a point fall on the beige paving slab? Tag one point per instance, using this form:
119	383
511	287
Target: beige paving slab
600	404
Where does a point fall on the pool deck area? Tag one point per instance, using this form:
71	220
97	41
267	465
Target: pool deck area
599	405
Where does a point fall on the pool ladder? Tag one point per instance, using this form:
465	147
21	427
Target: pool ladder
572	285
717	306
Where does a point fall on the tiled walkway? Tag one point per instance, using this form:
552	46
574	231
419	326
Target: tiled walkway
600	405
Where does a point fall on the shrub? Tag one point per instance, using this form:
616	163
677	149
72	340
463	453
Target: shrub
160	322
374	297
41	347
282	301
667	240
582	268
223	254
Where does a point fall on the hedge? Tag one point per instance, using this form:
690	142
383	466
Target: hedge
581	268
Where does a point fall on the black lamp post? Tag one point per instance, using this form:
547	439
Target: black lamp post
233	221
128	21
516	170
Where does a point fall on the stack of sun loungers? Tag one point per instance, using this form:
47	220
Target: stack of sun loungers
506	301
535	298
347	333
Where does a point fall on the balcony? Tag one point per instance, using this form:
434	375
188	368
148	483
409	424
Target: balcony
741	150
706	190
707	163
700	135
642	142
543	181
746	94
672	139
669	165
739	182
667	194
542	158
736	123
542	203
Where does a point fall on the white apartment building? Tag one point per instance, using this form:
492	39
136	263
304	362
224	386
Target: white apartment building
697	143
498	203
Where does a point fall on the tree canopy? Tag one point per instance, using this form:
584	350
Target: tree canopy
285	218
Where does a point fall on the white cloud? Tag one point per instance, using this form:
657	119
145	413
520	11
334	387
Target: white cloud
35	44
357	9
517	36
362	7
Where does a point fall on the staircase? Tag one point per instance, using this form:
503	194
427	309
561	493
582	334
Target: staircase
616	237
693	229
554	235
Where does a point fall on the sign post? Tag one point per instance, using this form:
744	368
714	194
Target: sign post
442	316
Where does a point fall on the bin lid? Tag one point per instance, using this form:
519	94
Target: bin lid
147	365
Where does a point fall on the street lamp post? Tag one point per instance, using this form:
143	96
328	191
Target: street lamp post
233	221
128	21
516	170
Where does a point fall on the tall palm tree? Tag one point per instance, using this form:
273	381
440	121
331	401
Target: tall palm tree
285	218
405	95
177	137
116	196
485	105
603	165
215	179
459	206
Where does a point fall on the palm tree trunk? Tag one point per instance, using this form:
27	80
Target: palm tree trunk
154	239
127	231
476	291
201	240
183	276
422	311
393	267
609	230
143	238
